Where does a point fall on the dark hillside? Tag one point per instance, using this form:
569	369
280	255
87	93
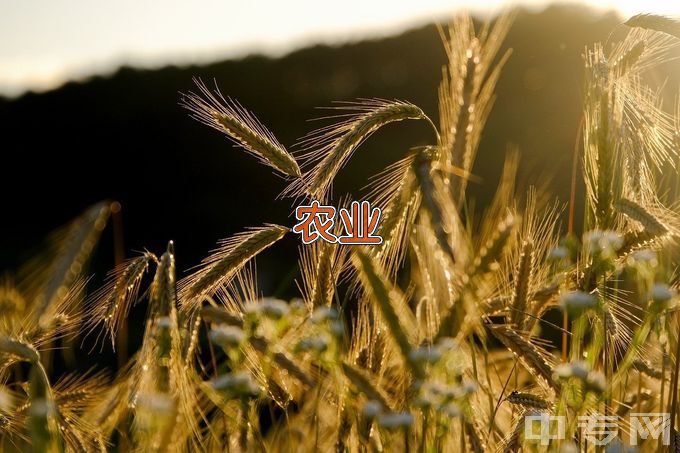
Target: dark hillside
125	137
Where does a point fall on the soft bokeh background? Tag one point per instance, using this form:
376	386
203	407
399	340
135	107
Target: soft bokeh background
119	133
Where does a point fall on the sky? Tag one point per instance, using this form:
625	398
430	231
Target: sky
44	43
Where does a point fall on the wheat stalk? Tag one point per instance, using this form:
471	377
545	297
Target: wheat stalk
45	434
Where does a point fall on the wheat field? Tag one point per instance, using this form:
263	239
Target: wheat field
437	339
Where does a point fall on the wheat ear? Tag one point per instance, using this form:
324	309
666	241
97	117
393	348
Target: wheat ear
320	264
635	240
221	266
163	290
466	92
73	254
520	295
111	304
493	249
364	383
513	443
241	126
542	299
45	435
530	356
645	367
344	430
628	60
329	148
657	23
425	176
632	400
495	305
74	394
528	400
323	285
162	329
19	349
605	169
641	215
395	312
397	188
473	439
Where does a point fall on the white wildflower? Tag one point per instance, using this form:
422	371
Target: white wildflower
596	381
322	314
371	409
661	292
644	256
577	369
452	410
237	384
425	354
225	335
575	301
395	420
316	343
559	253
603	241
274	308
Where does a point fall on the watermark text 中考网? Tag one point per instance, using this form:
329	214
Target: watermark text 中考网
599	429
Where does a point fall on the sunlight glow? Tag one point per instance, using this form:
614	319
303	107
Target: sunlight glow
43	43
